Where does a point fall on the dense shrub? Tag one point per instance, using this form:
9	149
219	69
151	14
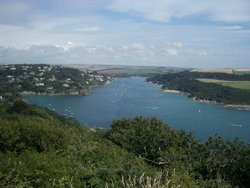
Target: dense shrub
39	148
215	160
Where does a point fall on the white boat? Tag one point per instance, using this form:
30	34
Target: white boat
152	107
236	125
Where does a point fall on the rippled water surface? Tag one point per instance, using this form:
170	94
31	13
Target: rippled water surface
129	97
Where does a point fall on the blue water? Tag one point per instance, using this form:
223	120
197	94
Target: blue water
129	97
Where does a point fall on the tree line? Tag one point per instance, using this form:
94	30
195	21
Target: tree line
187	82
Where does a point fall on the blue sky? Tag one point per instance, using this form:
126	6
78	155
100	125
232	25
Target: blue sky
180	33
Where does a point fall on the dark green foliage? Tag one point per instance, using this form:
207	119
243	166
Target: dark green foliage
39	148
226	160
23	79
147	137
18	106
215	160
32	169
186	82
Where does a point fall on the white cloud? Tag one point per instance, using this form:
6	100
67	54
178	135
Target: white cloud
164	11
110	49
92	54
87	29
234	27
173	48
70	43
202	53
137	46
172	51
177	44
91	50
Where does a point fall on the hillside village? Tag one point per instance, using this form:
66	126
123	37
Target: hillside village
17	80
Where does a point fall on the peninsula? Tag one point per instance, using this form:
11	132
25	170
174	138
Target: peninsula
223	88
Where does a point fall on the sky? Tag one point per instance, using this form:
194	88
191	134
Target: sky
177	33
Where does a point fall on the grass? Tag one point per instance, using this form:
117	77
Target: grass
234	84
146	71
135	71
241	72
218	70
237	71
238	84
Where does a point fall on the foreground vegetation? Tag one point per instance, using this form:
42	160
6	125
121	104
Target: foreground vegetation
39	148
189	82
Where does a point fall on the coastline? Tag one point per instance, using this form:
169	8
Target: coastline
232	106
170	91
237	106
55	94
73	93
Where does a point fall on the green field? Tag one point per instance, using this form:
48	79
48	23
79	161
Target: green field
146	71
241	72
135	70
233	84
237	71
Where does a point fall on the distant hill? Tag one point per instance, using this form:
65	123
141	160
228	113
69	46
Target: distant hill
42	79
237	71
124	70
195	85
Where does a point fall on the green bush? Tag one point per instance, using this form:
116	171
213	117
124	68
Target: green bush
39	148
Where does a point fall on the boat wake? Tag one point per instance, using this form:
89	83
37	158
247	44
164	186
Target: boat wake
152	107
236	125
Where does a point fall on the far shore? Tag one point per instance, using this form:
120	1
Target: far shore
73	93
55	94
171	91
234	106
237	106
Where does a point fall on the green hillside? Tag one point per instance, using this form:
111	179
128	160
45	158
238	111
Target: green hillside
39	148
42	79
194	84
233	84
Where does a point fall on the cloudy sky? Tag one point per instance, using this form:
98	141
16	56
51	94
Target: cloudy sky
180	33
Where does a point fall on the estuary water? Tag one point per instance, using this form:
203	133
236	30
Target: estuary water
130	97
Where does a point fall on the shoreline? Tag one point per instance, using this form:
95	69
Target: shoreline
76	93
171	91
232	106
54	94
237	106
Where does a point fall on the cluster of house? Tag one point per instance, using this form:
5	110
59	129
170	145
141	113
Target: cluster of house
40	76
28	72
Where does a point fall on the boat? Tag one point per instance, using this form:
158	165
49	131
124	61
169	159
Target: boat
236	125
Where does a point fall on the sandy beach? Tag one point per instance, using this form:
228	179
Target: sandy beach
171	91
